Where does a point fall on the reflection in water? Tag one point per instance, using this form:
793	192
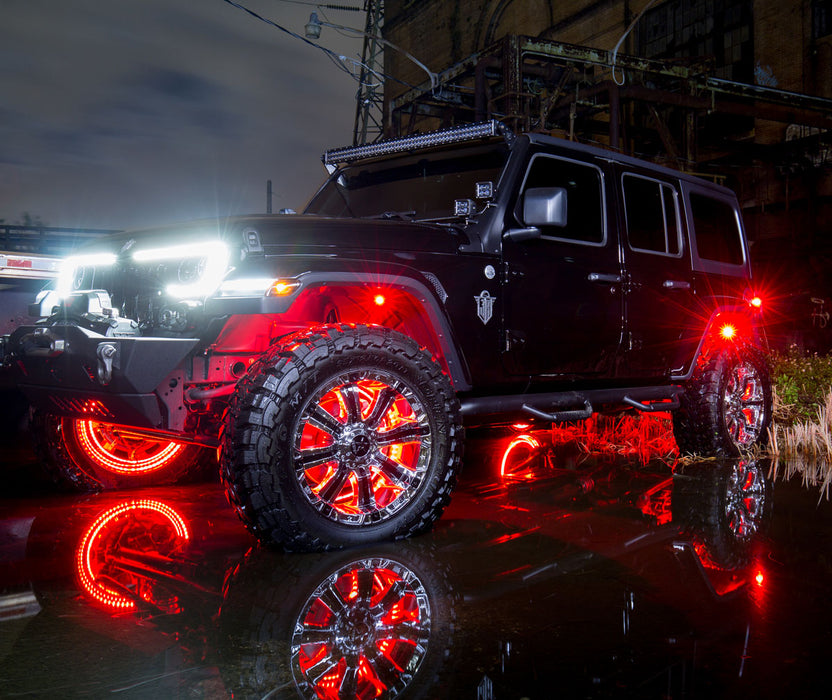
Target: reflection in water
362	624
585	582
120	554
363	632
724	506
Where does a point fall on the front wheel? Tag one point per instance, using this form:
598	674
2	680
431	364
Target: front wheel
342	436
726	406
87	455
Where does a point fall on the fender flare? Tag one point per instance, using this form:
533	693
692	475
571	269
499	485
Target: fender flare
420	293
753	334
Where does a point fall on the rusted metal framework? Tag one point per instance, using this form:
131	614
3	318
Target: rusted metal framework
618	100
369	110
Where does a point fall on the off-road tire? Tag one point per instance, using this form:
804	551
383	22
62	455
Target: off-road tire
265	471
58	450
726	406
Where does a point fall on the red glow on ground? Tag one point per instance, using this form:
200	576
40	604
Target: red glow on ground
119	450
518	457
643	436
141	525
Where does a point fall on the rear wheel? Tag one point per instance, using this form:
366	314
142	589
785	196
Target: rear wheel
87	455
726	407
342	436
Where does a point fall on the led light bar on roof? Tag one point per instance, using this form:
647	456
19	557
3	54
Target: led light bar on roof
456	134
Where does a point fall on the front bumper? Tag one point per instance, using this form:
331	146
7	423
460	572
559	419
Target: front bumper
73	371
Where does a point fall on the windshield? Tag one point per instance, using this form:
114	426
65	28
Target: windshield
422	186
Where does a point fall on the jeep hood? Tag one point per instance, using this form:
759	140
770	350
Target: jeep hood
301	234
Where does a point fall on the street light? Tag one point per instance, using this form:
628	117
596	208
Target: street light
313	31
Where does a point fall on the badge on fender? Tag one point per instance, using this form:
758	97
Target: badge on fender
485	305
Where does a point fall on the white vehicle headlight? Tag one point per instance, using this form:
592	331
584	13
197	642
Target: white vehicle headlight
200	268
77	272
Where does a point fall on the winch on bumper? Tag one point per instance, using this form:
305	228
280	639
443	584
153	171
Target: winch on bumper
91	365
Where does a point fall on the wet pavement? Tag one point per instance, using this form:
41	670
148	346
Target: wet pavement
608	578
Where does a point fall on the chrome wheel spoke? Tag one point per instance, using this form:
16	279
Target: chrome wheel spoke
410	432
316	456
352	401
384	401
324	421
335	484
394	471
366	494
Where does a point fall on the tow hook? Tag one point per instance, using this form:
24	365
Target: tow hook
105	352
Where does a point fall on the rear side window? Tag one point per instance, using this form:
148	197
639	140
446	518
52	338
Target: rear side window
652	216
716	230
584	196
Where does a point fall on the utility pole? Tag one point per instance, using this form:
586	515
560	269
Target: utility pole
369	111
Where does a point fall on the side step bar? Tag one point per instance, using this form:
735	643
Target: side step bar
567	406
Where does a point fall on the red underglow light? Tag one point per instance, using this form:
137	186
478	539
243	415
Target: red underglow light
526	443
521	426
379	300
132	525
728	331
122	451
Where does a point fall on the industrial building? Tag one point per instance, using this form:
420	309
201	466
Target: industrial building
738	91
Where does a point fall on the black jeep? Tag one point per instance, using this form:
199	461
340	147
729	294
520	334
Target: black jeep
462	276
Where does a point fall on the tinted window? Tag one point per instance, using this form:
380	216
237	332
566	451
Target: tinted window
585	211
652	220
716	230
422	186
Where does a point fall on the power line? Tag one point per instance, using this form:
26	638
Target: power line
337	59
312	3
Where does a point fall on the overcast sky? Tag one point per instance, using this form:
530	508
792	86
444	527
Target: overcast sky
127	113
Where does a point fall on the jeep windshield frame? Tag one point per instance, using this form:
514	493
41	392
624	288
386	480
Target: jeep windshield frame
418	186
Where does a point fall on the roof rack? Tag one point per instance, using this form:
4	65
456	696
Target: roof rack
456	134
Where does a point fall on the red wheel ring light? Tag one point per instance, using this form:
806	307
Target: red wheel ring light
89	556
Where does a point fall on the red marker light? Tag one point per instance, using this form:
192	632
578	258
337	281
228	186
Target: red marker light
728	331
756	302
759	578
379	300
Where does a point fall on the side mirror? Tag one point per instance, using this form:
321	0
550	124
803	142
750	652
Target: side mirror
545	206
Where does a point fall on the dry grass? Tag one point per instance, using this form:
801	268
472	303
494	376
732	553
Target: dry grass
798	448
645	436
804	447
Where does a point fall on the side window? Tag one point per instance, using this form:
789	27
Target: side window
652	216
716	230
584	198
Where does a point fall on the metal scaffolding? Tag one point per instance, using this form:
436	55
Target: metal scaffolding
534	84
369	111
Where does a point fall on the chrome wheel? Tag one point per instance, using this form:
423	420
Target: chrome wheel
745	502
744	404
362	447
363	632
